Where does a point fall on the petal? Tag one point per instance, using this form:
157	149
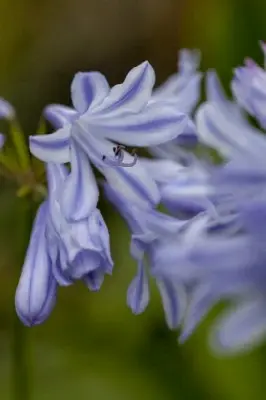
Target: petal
88	90
133	182
189	137
94	280
240	328
133	94
6	109
80	193
36	291
202	301
188	61
174	301
84	263
214	90
59	115
54	147
253	215
224	132
161	170
157	123
138	292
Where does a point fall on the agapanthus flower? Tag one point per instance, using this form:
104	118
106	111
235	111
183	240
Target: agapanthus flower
229	263
60	253
102	116
148	228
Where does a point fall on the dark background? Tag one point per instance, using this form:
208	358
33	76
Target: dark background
92	347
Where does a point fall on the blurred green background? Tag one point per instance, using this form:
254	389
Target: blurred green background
92	347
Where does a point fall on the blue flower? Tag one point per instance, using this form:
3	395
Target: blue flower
79	250
249	88
229	262
102	116
148	228
60	253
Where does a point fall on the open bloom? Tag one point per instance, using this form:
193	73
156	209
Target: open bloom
60	253
230	264
100	117
148	228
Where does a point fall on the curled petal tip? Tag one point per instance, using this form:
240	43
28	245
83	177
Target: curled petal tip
6	109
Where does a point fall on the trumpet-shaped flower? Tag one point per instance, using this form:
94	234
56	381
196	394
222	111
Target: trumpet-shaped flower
60	253
100	117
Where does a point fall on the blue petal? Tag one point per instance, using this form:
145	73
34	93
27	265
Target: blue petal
162	170
133	94
188	61
253	214
36	291
202	301
133	182
241	328
6	110
182	91
189	136
227	133
54	147
83	264
88	90
138	291
174	301
80	193
59	115
158	123
94	280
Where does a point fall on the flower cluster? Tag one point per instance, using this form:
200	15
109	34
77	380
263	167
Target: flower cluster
209	244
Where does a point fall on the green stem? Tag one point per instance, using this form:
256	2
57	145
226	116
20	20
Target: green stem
20	343
20	145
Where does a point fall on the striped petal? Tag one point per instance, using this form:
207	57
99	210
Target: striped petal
201	302
133	94
80	193
59	115
133	182
173	298
228	135
157	123
36	291
54	147
88	90
138	292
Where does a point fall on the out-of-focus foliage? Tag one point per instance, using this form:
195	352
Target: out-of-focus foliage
92	347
